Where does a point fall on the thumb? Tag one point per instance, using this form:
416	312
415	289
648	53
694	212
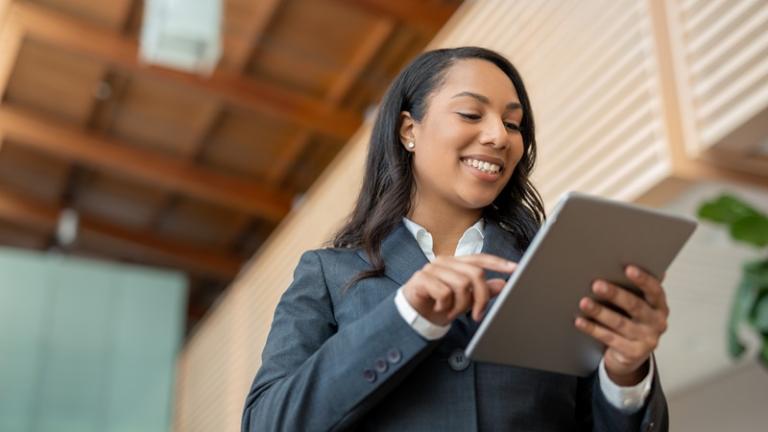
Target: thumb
495	286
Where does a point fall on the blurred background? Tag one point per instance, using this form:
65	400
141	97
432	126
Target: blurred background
164	163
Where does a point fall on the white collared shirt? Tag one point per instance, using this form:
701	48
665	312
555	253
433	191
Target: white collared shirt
627	399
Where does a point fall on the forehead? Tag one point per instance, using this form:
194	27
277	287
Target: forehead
478	76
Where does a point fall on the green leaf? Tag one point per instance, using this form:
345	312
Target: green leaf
757	273
735	347
726	209
740	309
751	229
759	315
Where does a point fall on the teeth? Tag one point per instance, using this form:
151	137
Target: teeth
482	166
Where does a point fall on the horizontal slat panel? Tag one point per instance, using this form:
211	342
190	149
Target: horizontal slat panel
724	72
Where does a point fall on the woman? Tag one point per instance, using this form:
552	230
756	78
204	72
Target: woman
370	334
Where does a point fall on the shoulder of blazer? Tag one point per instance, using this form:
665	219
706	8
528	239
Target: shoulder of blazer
328	255
338	263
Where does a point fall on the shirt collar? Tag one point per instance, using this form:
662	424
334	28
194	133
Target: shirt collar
470	242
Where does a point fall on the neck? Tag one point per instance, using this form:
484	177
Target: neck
446	224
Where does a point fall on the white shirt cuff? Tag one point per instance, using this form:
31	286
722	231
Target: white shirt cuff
421	325
627	399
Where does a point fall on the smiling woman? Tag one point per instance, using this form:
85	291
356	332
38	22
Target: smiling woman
371	333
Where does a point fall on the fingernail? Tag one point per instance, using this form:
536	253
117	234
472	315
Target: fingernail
511	264
634	271
601	287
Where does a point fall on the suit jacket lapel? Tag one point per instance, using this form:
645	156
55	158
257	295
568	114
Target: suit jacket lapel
499	242
401	253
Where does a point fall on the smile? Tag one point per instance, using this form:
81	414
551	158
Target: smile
486	167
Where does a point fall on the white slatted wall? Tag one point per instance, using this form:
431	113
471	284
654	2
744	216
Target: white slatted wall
591	71
722	65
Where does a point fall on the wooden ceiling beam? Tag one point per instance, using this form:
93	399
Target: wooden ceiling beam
241	53
10	42
146	246
421	14
68	142
366	52
60	30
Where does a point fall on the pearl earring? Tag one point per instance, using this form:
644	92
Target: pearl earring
411	145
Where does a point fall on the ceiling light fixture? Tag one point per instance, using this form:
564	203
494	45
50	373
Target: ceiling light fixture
182	34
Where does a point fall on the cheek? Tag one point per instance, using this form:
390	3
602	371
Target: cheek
436	165
516	151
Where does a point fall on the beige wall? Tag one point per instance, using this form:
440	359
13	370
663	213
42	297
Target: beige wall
604	78
733	400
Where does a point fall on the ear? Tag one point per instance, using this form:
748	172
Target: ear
407	124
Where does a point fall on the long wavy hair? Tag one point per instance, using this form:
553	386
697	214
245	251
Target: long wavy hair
388	184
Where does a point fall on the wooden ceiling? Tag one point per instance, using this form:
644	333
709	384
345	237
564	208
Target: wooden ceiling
172	169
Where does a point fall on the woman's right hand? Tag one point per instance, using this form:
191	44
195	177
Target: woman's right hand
447	287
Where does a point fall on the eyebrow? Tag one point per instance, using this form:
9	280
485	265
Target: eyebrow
484	100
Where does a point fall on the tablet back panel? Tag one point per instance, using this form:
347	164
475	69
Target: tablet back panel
531	322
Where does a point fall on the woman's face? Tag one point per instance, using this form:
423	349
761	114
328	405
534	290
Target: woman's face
468	142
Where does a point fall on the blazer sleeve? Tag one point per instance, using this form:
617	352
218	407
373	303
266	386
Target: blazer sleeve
595	413
315	376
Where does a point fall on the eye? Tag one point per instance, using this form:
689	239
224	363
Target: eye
512	126
469	116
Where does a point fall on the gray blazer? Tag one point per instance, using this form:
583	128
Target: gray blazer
348	361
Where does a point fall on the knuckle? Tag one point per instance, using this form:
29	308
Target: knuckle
664	325
634	305
620	322
638	353
417	279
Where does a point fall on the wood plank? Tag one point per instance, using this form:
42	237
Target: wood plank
430	16
110	155
368	49
699	171
119	51
291	151
39	216
738	161
680	125
240	53
10	43
380	32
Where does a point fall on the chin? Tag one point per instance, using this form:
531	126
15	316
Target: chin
476	202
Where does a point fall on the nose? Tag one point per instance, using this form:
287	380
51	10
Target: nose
495	133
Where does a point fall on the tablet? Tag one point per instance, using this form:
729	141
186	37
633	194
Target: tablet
530	323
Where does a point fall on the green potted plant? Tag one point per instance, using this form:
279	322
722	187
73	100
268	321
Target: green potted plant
750	303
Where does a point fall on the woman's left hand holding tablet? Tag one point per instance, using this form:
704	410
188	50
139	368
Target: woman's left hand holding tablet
449	286
629	341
